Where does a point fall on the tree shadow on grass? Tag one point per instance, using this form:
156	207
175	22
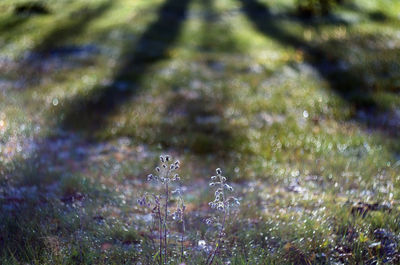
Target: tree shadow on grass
48	154
377	16
33	67
331	60
74	25
46	198
33	168
194	117
12	22
196	122
89	113
216	34
40	171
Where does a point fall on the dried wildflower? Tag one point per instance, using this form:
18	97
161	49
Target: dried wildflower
149	177
160	205
160	210
221	203
176	192
177	215
142	201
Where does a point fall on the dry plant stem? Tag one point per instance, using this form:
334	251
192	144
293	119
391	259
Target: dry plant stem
152	229
159	216
183	230
165	221
157	204
220	234
160	233
218	244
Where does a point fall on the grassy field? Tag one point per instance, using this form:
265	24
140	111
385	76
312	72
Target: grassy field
302	114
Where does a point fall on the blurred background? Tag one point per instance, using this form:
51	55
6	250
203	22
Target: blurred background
297	100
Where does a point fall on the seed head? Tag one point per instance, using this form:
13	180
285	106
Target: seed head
177	215
177	191
228	187
142	201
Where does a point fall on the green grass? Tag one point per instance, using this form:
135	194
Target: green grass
303	115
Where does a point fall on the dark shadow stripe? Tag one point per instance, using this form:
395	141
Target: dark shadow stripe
102	101
347	84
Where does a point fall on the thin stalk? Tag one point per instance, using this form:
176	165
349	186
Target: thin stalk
218	243
165	221
160	233
152	229
183	230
